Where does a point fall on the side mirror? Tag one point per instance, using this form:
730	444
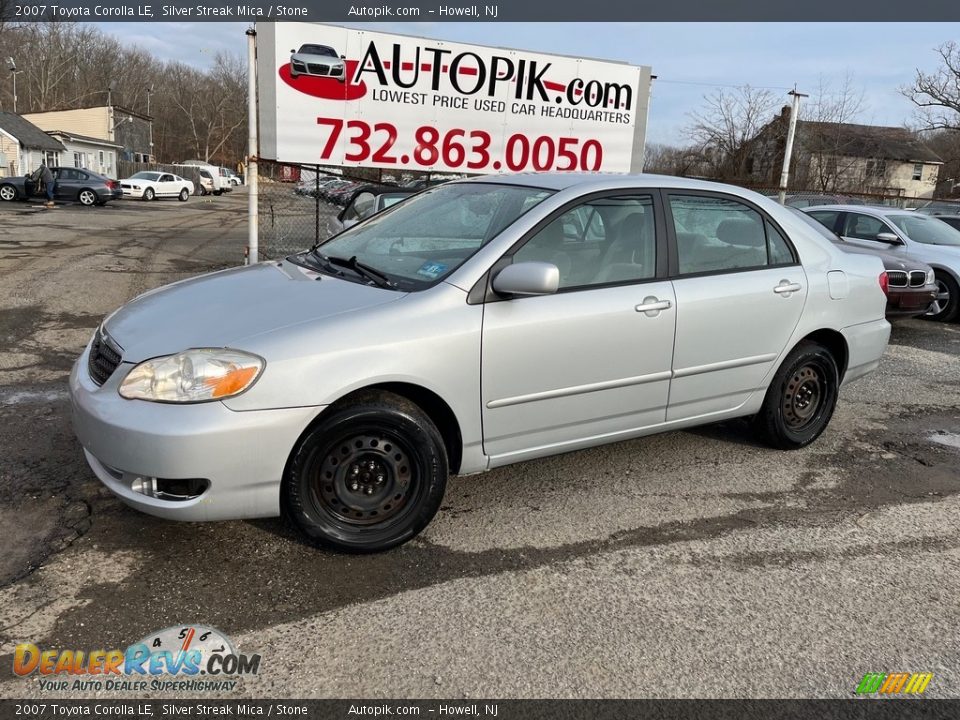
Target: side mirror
343	57
889	237
527	278
292	51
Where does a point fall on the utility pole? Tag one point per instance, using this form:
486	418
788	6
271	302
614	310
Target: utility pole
12	66
788	150
253	220
149	93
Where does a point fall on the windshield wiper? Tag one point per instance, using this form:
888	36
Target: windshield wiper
362	269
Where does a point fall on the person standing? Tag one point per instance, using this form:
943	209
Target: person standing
46	177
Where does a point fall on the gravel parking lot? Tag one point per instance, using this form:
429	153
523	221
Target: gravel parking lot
689	564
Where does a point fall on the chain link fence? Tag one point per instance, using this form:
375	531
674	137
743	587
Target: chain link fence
299	203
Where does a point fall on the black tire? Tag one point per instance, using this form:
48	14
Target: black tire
203	191
8	192
149	194
87	197
368	477
800	401
948	299
218	192
184	195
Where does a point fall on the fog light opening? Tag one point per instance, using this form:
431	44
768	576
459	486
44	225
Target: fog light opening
169	489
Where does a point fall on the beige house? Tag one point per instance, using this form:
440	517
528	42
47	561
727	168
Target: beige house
845	157
91	153
130	131
23	146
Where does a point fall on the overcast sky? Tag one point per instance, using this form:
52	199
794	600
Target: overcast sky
689	59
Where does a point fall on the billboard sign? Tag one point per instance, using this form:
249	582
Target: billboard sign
337	96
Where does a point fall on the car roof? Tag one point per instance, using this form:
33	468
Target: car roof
867	209
602	180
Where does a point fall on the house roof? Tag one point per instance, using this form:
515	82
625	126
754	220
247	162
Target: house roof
27	134
866	141
63	134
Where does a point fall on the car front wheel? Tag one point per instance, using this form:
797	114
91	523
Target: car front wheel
945	307
149	194
87	197
8	193
800	401
368	477
184	194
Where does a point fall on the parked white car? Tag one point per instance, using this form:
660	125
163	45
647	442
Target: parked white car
905	234
149	185
479	323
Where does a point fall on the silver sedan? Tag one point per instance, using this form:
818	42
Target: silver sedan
477	324
905	234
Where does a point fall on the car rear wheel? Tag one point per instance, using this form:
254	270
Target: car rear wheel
8	192
87	197
149	194
945	307
800	401
184	194
368	477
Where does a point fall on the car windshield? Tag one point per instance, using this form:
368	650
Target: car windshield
145	176
317	50
419	242
926	230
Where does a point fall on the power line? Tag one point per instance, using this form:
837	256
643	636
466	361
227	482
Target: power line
723	85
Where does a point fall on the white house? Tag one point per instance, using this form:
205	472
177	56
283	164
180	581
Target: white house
91	153
23	146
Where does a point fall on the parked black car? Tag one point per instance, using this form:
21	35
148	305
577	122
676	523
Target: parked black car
71	184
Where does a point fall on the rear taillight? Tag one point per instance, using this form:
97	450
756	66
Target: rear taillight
884	283
112	184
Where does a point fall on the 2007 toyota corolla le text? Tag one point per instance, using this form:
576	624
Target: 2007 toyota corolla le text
477	324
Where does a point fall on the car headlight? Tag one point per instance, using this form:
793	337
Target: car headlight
198	375
931	277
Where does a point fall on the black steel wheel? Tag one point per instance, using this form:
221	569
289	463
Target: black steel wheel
368	477
946	306
801	398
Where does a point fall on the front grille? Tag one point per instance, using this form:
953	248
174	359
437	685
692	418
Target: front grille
104	358
918	278
317	69
896	278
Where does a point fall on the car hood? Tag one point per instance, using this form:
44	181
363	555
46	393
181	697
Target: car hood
890	262
223	308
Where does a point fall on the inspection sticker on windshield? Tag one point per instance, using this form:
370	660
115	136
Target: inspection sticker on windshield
432	269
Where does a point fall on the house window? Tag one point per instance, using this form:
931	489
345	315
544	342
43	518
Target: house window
918	171
51	158
101	158
78	160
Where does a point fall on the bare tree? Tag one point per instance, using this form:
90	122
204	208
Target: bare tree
937	94
723	129
198	113
826	152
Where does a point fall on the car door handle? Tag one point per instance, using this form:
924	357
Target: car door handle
652	306
786	287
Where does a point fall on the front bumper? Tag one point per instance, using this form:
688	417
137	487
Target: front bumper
241	454
910	302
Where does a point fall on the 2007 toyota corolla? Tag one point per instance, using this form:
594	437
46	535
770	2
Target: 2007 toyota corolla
477	324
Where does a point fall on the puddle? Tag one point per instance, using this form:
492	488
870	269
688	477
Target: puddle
945	438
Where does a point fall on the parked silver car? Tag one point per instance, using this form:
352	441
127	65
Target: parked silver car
908	235
477	324
318	60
